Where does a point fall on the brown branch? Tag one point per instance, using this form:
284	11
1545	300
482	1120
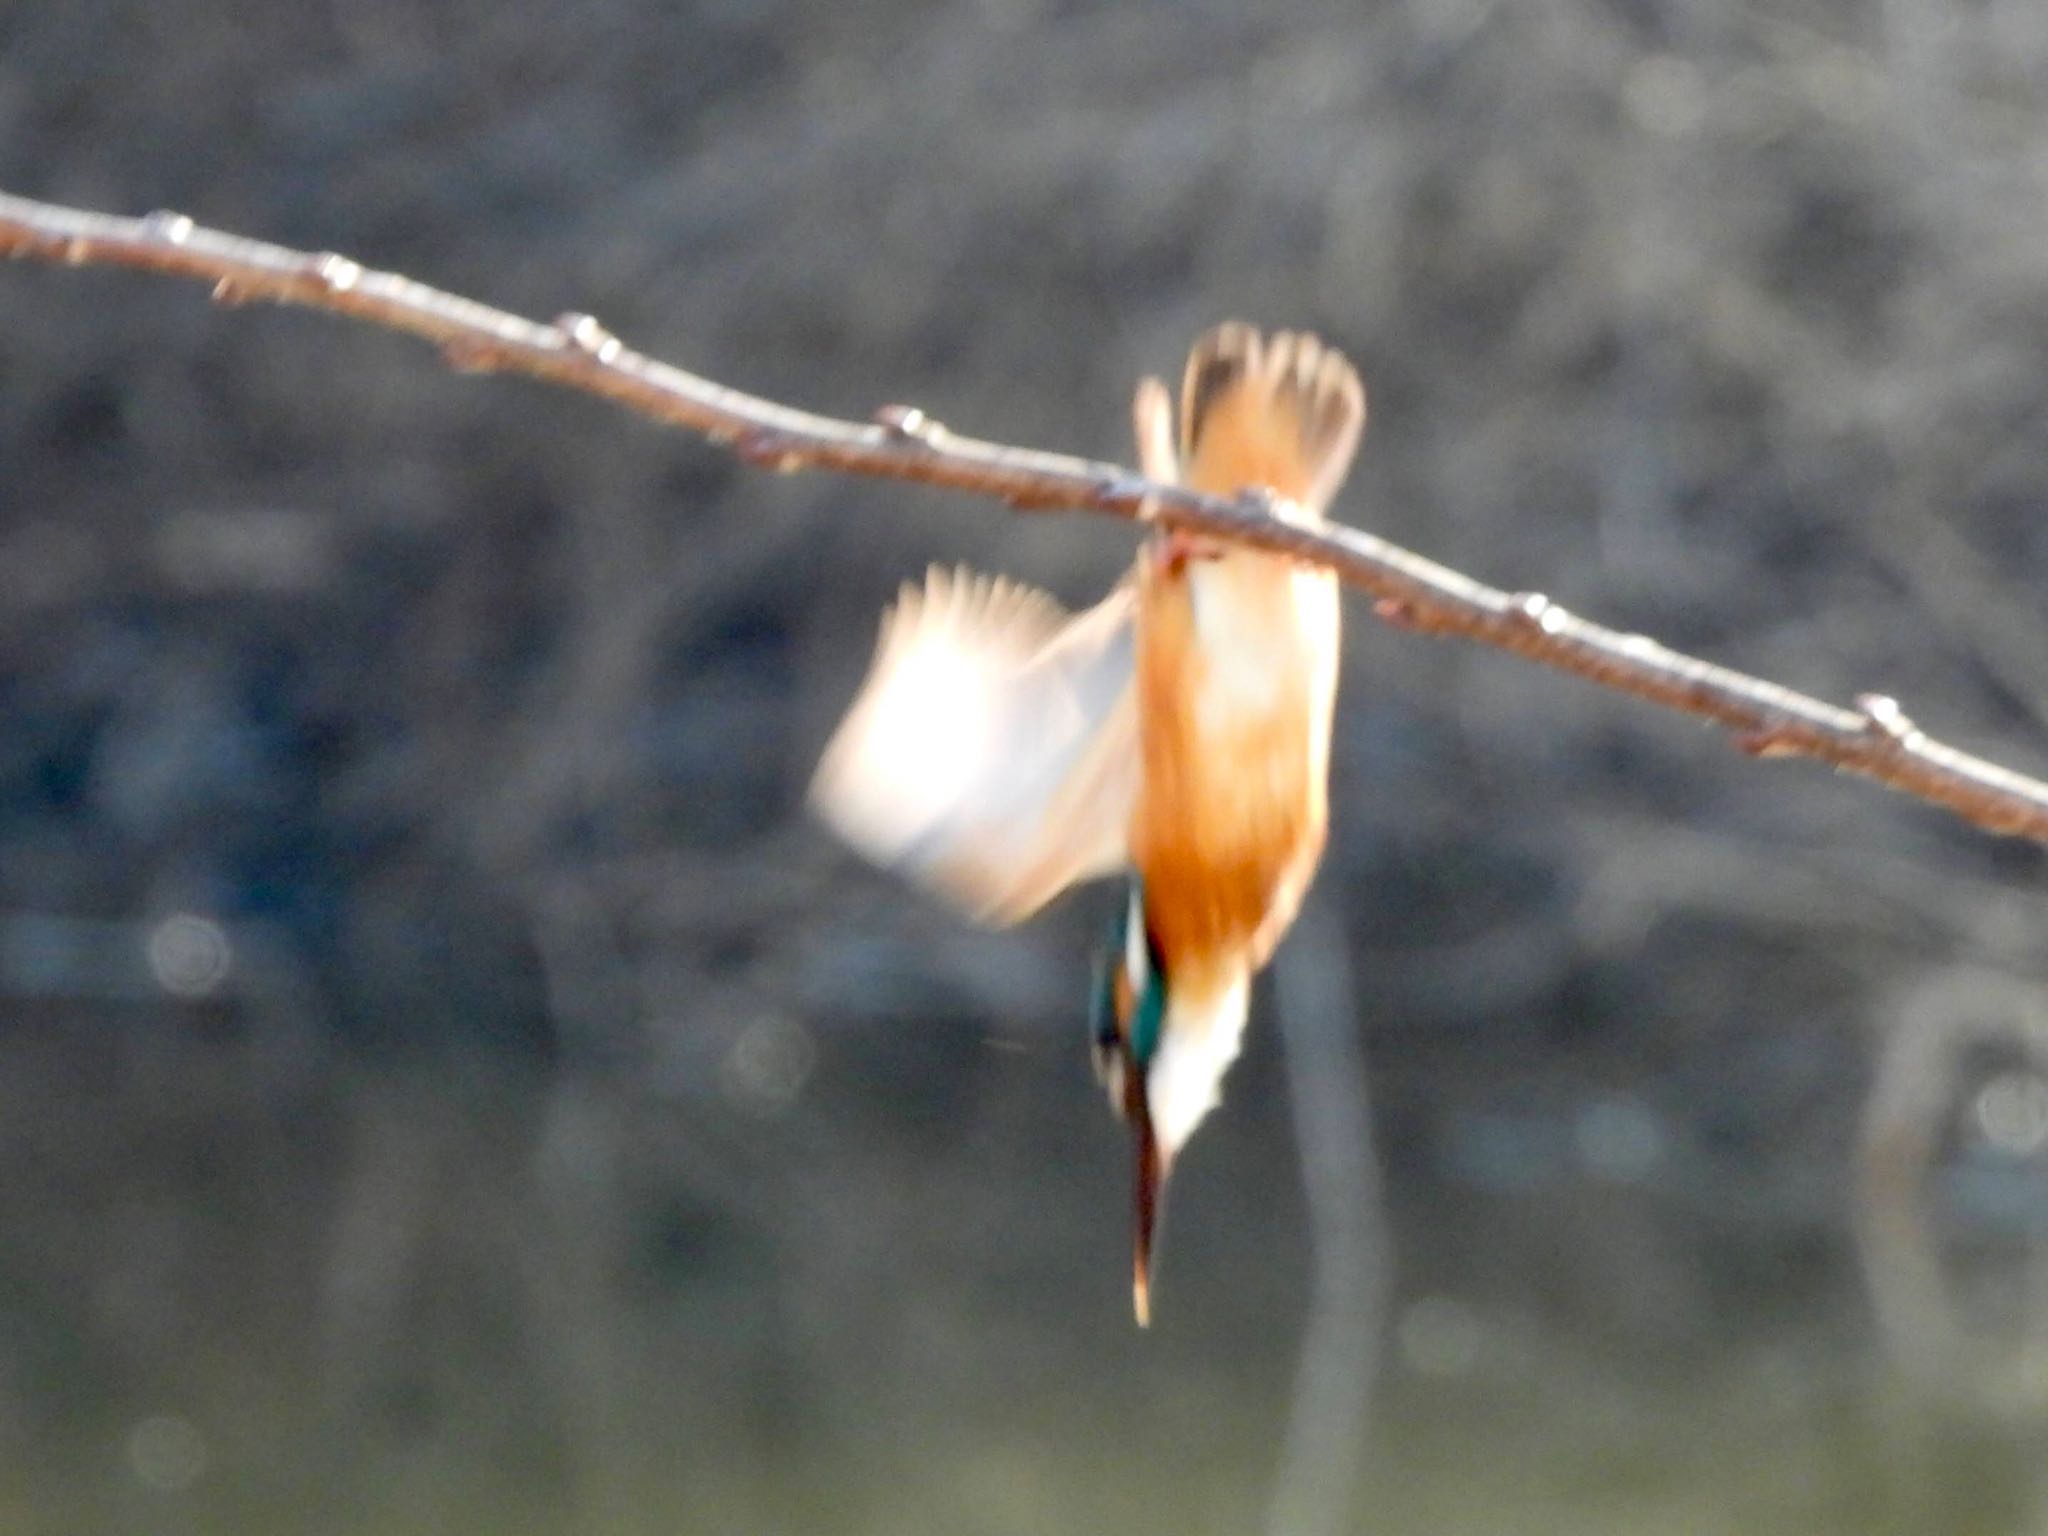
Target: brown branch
1875	739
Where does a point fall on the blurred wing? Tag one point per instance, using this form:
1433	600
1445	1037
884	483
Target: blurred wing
992	752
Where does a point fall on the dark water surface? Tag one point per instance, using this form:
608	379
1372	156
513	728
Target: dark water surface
484	1296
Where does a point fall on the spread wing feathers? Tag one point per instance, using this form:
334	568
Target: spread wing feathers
1239	385
992	753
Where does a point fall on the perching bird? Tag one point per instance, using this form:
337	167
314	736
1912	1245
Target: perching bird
1002	750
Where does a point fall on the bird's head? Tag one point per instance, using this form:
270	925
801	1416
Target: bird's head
1161	1056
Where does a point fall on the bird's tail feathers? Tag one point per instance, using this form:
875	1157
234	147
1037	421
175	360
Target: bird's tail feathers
1282	411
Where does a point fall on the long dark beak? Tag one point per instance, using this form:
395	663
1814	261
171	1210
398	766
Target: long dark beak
1150	1186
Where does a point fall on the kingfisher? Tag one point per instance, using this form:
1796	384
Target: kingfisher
1177	733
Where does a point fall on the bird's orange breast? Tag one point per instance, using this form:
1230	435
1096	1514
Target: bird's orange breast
1232	803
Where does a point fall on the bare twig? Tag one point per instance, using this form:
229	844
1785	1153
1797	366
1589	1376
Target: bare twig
1874	739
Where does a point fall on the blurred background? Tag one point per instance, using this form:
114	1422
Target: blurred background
446	1084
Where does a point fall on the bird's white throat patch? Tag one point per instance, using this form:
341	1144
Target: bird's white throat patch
1196	1047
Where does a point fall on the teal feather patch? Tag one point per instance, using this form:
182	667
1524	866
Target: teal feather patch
1140	1034
1149	1016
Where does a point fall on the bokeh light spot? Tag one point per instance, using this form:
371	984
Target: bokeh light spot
2011	1112
166	1452
767	1066
189	955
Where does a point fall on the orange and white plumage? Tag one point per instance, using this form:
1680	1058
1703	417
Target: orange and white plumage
1237	673
1001	750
